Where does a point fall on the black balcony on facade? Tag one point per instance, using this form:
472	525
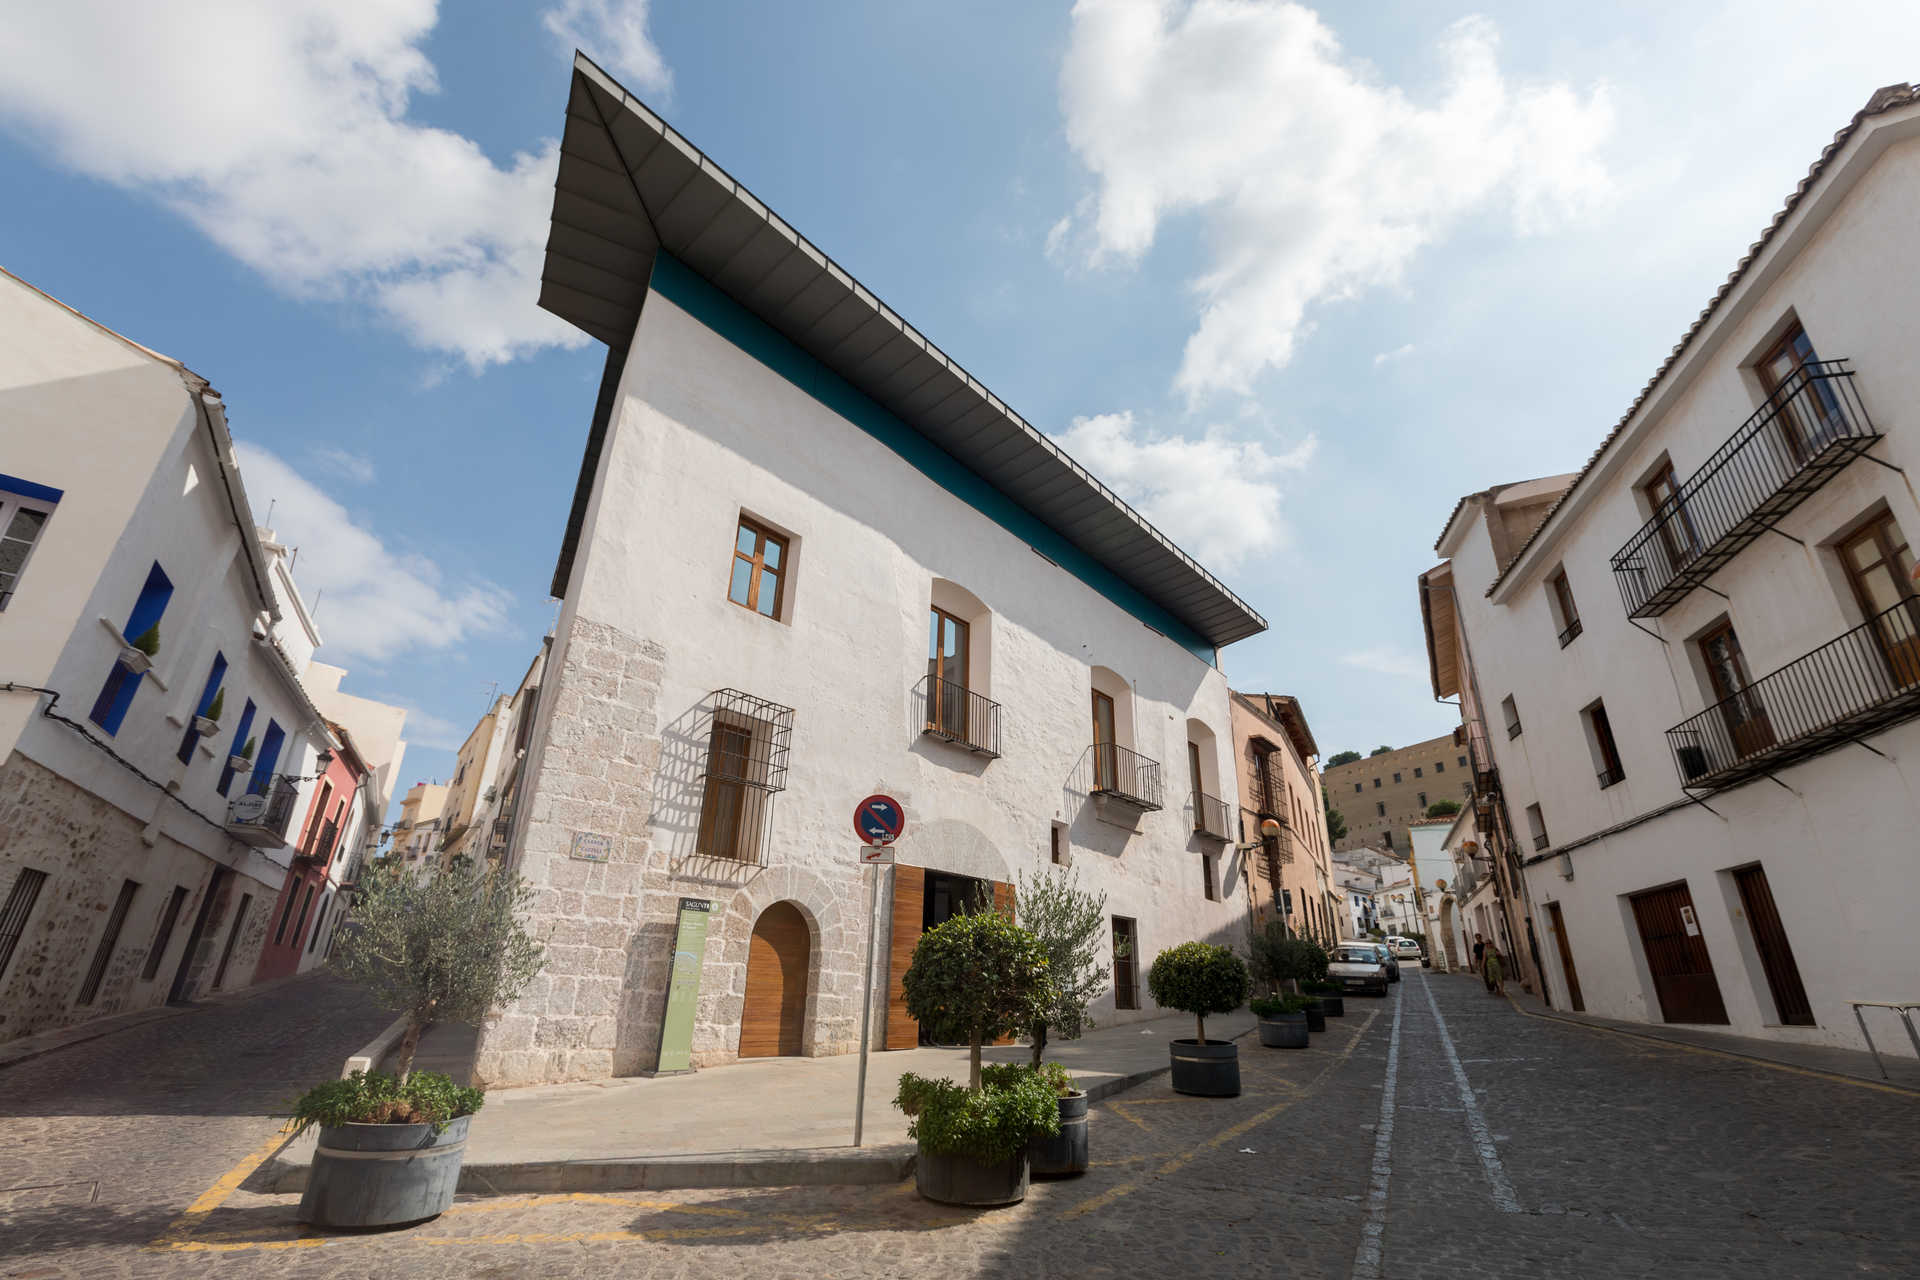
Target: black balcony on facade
1805	434
1540	841
1608	777
1860	683
954	713
261	818
1486	777
1125	775
1211	817
1571	633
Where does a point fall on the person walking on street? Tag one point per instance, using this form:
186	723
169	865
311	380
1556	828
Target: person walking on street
1480	950
1496	976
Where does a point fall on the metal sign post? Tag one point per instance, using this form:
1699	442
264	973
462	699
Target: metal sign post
879	820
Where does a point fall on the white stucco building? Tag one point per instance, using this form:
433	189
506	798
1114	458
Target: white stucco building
138	857
1693	675
811	560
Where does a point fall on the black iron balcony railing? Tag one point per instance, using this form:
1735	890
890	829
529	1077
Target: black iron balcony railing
1610	776
1211	817
954	713
1540	841
1863	681
260	818
1486	777
1571	633
1805	433
1125	775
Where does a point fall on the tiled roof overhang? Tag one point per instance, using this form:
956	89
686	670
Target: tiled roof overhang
630	187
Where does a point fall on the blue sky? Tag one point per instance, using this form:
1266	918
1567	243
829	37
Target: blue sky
1292	281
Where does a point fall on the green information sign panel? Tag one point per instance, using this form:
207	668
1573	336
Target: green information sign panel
683	990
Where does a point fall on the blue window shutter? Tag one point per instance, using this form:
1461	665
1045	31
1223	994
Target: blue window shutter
192	738
269	757
239	741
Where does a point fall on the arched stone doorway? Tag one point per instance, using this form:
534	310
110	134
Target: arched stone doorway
773	1020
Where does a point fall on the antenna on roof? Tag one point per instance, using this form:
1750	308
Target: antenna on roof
270	506
314	611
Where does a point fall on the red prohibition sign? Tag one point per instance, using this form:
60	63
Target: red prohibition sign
879	819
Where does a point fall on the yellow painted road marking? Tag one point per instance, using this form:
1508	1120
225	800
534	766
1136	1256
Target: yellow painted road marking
1718	1053
1227	1135
175	1236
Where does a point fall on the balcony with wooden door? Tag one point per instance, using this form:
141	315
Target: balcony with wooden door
1856	684
1810	427
1122	774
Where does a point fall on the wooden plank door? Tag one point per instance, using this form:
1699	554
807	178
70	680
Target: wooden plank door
1559	926
774	1017
909	904
1776	955
1677	956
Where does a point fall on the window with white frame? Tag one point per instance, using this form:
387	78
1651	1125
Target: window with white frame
25	508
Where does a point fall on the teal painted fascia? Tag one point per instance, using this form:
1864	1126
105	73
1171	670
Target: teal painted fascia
682	286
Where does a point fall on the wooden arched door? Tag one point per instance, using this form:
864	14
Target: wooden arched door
775	1013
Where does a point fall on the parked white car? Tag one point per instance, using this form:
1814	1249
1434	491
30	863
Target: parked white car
1403	948
1358	966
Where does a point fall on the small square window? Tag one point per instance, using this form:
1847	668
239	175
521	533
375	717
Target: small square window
1057	850
1376	784
759	574
1439	766
1357	788
1396	778
1416	771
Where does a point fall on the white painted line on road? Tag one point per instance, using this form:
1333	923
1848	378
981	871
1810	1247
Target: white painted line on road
1504	1197
1366	1259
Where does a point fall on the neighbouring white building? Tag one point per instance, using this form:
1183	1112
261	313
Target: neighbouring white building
811	560
1691	679
155	741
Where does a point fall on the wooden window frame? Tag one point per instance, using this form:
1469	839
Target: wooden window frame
757	563
939	712
741	841
1106	765
1679	553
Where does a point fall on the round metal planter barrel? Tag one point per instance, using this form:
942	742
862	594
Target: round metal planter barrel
1333	1006
1316	1016
1209	1070
1284	1031
963	1180
1065	1153
376	1175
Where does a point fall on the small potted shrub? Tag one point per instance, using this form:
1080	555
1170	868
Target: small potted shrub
1198	978
1283	1021
448	947
976	978
209	724
1333	1002
1071	926
244	761
138	653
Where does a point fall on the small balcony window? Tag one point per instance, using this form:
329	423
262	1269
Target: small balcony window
744	768
1606	756
1566	614
1537	823
1511	711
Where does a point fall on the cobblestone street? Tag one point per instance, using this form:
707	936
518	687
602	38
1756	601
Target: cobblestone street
1507	1145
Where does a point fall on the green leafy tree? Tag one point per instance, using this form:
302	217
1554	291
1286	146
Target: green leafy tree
1070	925
1336	821
1443	808
1198	978
1379	751
978	977
446	948
1343	757
1280	957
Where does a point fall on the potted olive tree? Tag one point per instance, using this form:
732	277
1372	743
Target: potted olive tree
1071	925
976	978
1199	978
447	948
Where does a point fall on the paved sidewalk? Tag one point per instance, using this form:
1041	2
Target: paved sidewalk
1903	1070
772	1104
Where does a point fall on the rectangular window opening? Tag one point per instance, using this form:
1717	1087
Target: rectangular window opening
758	578
18	910
168	919
109	940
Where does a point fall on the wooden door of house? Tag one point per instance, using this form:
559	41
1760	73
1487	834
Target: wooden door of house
1776	955
1126	965
922	899
1558	924
1677	956
1740	706
773	1018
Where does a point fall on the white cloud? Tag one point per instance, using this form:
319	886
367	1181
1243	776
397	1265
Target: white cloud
281	131
1385	660
1315	181
424	729
1218	498
374	602
1388	357
344	463
614	34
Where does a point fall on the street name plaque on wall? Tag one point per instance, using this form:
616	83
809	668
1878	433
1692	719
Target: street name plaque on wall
683	988
589	846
